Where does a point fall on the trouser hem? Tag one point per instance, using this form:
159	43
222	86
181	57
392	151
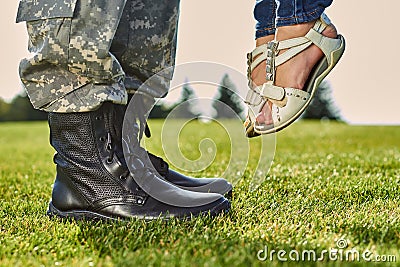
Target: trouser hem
88	98
298	19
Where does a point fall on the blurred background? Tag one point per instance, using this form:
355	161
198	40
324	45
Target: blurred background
362	88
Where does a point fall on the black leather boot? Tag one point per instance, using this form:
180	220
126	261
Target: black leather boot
212	185
93	180
204	185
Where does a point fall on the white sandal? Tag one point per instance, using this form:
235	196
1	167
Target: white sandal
288	103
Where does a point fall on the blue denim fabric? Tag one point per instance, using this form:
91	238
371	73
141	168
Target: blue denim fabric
276	13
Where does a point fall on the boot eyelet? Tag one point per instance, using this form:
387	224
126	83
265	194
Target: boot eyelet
122	177
109	160
98	118
102	139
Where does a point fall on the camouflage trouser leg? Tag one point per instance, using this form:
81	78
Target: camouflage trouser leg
71	69
145	43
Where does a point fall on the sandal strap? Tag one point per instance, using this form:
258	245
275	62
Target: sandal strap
289	43
326	44
263	52
322	23
258	94
291	53
253	98
270	91
261	57
299	44
270	53
260	53
294	46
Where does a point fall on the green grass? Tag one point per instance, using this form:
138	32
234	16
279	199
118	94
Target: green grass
328	181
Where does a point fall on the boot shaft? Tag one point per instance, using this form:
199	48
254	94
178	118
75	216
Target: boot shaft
92	181
88	151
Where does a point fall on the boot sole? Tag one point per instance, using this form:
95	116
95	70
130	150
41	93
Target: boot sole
84	215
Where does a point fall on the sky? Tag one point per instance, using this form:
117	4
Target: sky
222	31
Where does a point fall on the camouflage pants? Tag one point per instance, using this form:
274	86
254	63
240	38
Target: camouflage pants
85	52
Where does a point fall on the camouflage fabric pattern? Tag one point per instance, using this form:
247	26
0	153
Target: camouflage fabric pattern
89	97
145	43
72	68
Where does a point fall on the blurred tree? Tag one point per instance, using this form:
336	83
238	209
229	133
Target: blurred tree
227	94
323	105
159	111
187	92
4	108
187	104
20	109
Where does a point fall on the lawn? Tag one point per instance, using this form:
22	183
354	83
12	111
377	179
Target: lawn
330	185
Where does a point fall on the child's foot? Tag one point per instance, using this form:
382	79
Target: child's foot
295	72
